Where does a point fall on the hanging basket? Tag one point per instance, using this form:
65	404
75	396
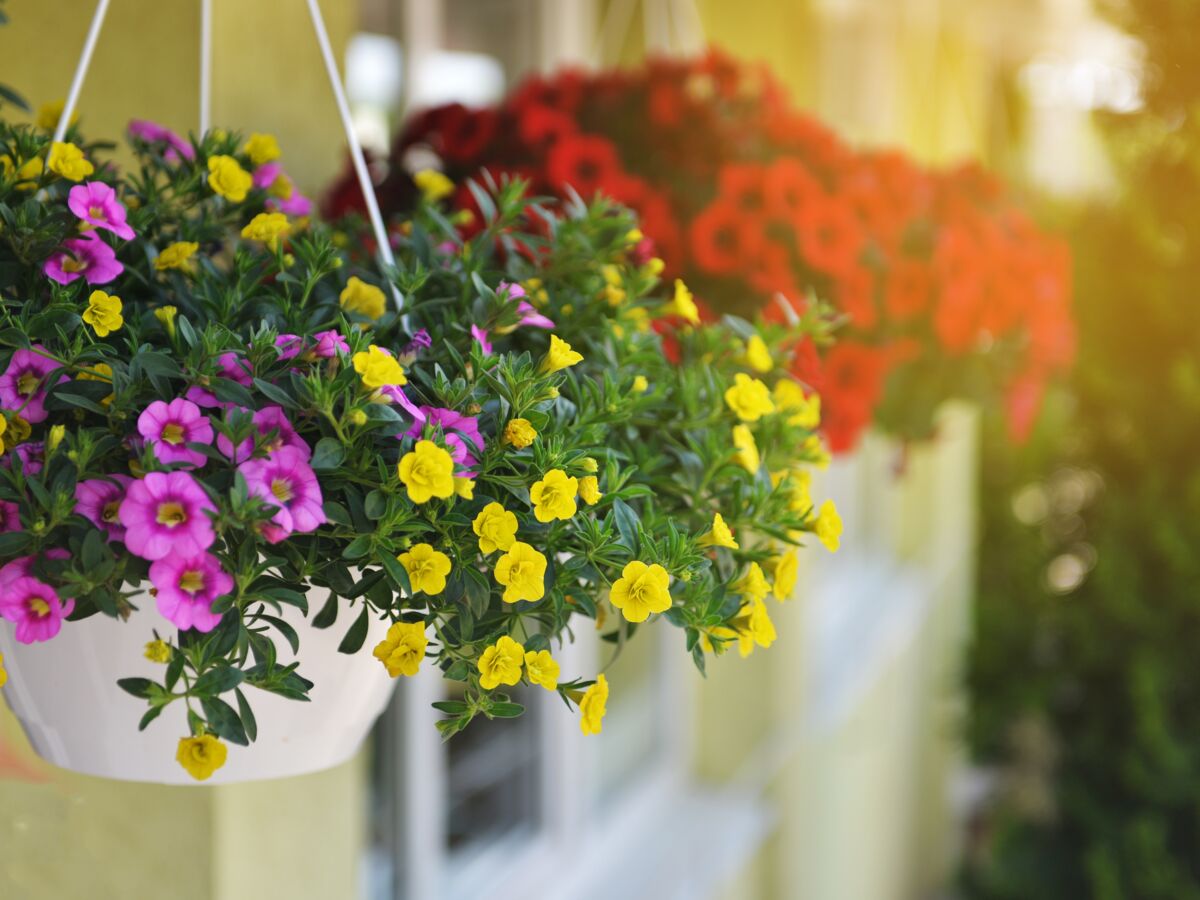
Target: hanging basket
65	694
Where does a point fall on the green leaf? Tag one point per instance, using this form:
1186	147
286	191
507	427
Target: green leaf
247	714
275	393
218	680
151	714
328	614
328	455
505	710
354	638
139	687
224	720
626	521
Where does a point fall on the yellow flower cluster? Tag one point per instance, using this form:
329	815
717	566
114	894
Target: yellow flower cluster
641	590
427	471
505	661
377	368
228	179
427	569
201	756
362	298
403	649
104	314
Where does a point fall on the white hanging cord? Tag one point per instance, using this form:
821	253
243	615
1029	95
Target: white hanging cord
656	27
205	67
789	311
356	152
81	67
689	26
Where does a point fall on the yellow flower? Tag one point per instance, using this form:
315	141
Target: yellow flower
753	585
268	228
17	431
495	527
3	672
158	652
554	496
716	640
365	299
640	384
784	570
501	664
719	535
403	649
433	185
800	485
790	398
166	317
55	437
520	433
593	706
614	292
48	115
589	489
201	756
535	291
746	454
757	356
177	256
262	148
541	668
26	174
641	590
67	160
427	568
378	368
104	313
749	398
559	356
683	305
829	526
754	627
464	487
99	372
522	571
228	179
427	471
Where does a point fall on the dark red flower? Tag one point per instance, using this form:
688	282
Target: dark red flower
584	162
723	239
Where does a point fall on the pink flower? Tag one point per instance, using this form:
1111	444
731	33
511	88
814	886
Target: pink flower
330	344
31	454
233	367
23	384
461	433
530	316
187	587
153	133
85	257
396	395
22	567
287	199
10	516
289	346
482	337
167	513
96	203
507	290
35	607
285	480
269	419
99	501
169	427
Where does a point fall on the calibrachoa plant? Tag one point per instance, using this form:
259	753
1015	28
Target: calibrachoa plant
209	407
945	286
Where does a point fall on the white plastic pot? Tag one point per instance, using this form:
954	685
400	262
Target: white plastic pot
64	692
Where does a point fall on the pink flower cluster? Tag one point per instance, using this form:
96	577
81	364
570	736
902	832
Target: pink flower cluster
29	602
88	257
24	383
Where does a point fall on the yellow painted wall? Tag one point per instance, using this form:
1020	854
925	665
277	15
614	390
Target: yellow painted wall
267	72
64	836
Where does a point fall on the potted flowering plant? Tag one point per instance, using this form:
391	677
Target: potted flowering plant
946	288
236	475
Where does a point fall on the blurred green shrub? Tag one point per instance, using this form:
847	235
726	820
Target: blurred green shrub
1085	674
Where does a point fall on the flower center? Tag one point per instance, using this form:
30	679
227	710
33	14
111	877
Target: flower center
39	607
171	514
281	489
191	581
28	383
110	512
96	212
71	264
172	433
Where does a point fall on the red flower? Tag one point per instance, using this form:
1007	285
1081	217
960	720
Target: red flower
743	185
789	187
584	162
829	235
907	289
723	239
